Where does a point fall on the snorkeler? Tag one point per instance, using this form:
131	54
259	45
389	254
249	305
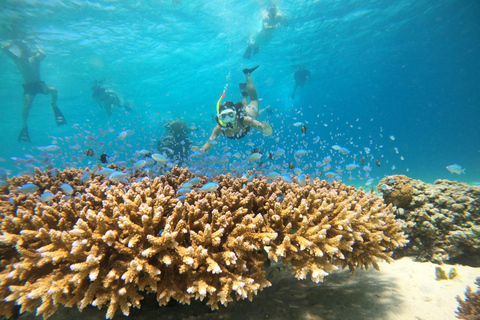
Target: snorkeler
235	120
176	144
302	75
108	98
29	65
270	22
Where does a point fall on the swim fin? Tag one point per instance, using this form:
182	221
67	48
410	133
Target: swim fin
248	71
24	136
59	118
243	89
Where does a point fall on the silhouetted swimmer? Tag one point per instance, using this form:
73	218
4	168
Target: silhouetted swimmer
28	63
302	75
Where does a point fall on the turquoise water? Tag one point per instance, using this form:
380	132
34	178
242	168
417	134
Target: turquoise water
385	75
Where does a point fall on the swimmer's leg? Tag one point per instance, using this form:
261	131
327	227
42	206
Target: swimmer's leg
248	52
59	118
27	104
252	92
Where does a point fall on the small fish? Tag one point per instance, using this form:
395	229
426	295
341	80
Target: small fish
28	188
117	176
367	168
144	152
300	153
304	129
254	156
66	189
367	150
183	191
301	180
273	175
46	196
161	160
139	164
298	124
330	174
270	156
362	161
209	187
103	158
89	153
105	171
352	166
392	138
377	162
85	177
49	148
291	165
195	181
279	153
286	178
455	168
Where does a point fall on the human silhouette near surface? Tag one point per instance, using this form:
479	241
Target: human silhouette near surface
28	63
302	75
270	22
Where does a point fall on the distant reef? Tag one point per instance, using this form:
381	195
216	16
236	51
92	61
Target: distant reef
442	220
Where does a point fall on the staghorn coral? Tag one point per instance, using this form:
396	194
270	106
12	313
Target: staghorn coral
441	219
110	243
470	308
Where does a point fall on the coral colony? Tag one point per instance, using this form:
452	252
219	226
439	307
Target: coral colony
107	244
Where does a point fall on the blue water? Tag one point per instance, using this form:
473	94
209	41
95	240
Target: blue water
406	69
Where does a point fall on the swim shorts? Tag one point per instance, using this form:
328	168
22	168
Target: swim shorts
35	87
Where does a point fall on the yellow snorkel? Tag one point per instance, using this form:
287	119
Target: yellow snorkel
223	124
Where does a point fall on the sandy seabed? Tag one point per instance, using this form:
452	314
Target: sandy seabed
402	290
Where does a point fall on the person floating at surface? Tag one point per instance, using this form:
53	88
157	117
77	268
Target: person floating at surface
176	144
235	120
270	22
302	75
108	98
29	65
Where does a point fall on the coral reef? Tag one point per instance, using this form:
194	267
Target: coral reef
442	219
109	243
470	308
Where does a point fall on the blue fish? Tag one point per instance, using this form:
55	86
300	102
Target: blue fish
66	189
28	188
209	187
46	196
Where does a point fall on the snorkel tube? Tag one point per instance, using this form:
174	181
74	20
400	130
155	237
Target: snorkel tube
223	124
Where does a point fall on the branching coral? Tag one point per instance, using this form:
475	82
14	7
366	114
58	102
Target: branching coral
441	219
110	243
470	308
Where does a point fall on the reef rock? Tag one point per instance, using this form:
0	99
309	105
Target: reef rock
442	219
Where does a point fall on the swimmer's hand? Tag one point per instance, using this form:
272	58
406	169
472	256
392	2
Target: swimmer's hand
267	129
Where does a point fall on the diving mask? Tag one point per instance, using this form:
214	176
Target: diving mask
227	115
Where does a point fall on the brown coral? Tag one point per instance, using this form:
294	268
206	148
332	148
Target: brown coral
470	308
401	192
442	219
110	242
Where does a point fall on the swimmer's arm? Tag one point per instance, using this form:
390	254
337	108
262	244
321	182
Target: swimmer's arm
6	49
264	127
215	133
40	55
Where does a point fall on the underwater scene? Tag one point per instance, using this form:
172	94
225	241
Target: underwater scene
229	159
